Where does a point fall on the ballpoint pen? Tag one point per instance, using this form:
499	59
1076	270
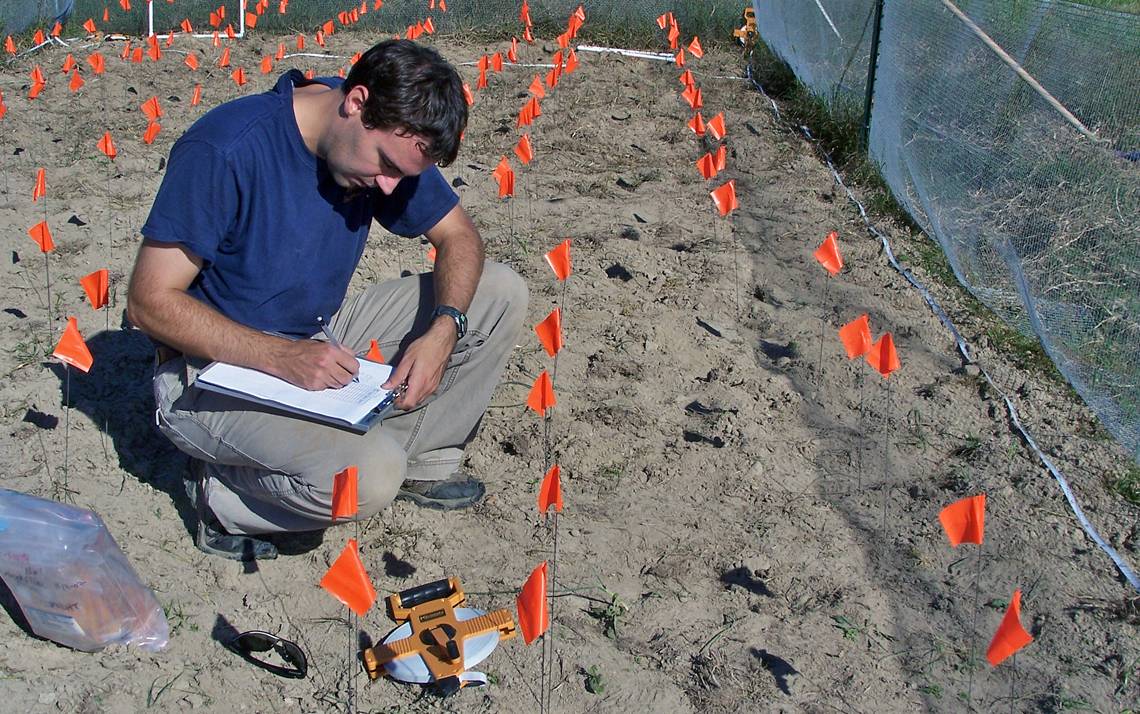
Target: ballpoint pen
332	339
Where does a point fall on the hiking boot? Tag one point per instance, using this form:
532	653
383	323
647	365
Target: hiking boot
458	491
211	537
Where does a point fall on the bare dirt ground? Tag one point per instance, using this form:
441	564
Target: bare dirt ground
734	539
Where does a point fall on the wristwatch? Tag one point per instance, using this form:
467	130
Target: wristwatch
454	314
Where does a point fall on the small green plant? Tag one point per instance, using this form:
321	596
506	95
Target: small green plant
1128	485
932	690
609	613
970	450
850	630
594	682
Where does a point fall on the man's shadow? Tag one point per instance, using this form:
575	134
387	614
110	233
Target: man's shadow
116	396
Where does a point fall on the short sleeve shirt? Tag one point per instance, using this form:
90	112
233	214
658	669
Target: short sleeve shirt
278	238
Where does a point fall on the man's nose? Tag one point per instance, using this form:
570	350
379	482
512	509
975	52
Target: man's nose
386	184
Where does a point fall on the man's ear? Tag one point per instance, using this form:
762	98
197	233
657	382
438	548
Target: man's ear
355	99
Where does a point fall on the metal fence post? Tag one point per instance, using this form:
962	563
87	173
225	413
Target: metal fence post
865	134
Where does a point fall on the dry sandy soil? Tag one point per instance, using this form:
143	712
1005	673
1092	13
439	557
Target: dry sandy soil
733	539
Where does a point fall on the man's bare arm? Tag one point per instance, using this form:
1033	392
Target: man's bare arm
158	304
458	267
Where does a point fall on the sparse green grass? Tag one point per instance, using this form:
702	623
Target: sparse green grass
1128	485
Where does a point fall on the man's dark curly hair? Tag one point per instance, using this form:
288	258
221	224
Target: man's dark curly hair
411	88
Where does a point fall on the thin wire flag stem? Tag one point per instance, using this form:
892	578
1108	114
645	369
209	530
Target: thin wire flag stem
886	458
974	629
822	324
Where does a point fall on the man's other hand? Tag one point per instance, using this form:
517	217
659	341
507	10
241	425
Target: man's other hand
315	365
423	363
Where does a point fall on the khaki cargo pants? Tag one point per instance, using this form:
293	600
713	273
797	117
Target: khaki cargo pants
268	472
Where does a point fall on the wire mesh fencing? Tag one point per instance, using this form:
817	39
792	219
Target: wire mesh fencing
1011	133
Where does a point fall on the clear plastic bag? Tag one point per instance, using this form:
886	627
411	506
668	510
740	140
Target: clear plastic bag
71	580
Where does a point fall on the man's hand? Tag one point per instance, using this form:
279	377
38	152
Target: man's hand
423	363
314	365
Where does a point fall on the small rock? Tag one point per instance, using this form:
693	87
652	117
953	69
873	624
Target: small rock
972	370
47	698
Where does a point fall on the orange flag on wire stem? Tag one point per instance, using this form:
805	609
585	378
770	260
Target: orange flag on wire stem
695	48
541	395
96	286
107	146
344	494
524	150
186	26
536	87
41	234
697	124
856	336
40	189
534	618
72	349
550	332
692	95
224	60
69	63
497	62
151	132
965	521
90	26
98	63
38	38
571	61
720	158
828	253
559	259
9	45
725	198
238	76
374	354
467	94
348	582
76	82
191	61
267	64
706	165
716	128
550	492
506	178
679	58
686	79
196	97
663	20
882	355
1010	635
152	109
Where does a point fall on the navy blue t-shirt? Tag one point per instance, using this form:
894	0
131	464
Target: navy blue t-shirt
278	238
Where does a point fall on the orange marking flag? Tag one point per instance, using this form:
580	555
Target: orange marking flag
186	26
96	286
35	90
56	29
107	146
347	581
38	38
534	618
300	42
1010	635
98	63
513	52
69	63
524	150
882	355
72	349
706	165
550	492
693	96
280	54
697	124
721	157
481	83
674	36
239	76
663	20
151	132
196	98
828	253
38	75
524	14
90	26
191	61
497	62
467	94
3	106
571	62
725	198
679	59
536	87
965	521
344	494
224	60
541	395
429	26
527	35
266	64
695	48
374	354
686	79
856	336
76	82
9	45
716	127
125	4
550	332
559	260
41	234
506	178
40	189
152	109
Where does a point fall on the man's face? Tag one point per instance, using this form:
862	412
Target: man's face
361	158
